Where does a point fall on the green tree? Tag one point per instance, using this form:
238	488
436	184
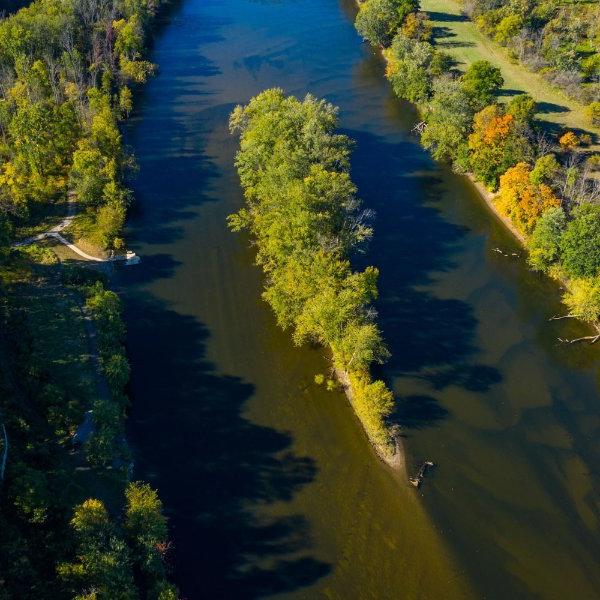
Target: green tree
103	562
481	81
448	120
522	107
544	242
407	68
378	20
545	170
580	243
146	529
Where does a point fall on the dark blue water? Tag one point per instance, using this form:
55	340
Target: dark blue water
268	481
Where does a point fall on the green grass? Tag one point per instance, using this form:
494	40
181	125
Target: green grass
459	37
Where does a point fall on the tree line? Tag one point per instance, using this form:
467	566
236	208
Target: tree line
305	219
545	184
73	524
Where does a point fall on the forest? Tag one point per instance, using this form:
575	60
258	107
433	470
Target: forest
74	524
306	220
546	182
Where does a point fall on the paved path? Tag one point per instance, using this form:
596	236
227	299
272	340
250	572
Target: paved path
130	258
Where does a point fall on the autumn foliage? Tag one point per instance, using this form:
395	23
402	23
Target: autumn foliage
496	144
569	140
521	200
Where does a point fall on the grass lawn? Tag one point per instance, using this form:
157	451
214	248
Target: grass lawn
458	36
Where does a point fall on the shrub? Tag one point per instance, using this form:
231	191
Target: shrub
568	140
594	113
373	403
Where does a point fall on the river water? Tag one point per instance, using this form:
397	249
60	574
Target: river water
268	481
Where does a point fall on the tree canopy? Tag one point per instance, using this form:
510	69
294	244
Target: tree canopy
302	210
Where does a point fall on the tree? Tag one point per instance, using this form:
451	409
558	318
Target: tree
302	211
508	28
417	26
594	113
522	107
545	170
497	143
582	298
569	140
481	81
407	68
146	530
103	562
448	118
377	21
521	200
544	243
580	243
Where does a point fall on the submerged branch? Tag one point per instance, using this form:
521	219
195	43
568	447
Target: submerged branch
593	338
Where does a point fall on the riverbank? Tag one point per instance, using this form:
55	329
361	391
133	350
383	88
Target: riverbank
395	460
483	128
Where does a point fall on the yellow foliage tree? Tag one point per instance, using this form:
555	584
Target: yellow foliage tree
583	298
568	140
521	200
417	27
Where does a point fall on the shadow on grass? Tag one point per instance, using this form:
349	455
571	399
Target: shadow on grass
549	107
453	44
442	17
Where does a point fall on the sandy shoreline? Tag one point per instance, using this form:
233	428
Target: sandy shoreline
397	461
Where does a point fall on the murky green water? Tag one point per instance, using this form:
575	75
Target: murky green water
270	485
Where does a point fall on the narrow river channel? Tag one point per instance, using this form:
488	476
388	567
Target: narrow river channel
268	481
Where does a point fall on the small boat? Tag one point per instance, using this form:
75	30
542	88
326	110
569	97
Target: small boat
418	478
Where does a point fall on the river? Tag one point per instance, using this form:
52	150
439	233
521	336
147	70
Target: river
269	484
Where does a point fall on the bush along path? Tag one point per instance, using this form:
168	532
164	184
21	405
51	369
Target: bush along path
302	211
130	258
545	185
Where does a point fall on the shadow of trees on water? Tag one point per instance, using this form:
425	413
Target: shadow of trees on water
213	466
431	338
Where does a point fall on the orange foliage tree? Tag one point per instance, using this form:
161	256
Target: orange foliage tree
521	200
498	142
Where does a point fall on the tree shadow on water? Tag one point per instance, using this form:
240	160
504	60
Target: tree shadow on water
431	337
417	412
211	464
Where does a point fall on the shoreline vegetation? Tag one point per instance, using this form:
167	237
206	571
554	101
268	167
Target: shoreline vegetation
306	222
76	524
542	184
